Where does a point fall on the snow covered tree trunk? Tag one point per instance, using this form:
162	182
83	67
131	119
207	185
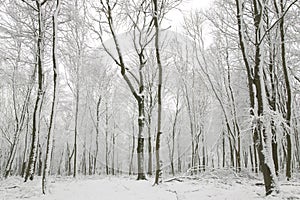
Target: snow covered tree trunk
262	132
140	146
288	93
49	146
271	90
138	94
38	104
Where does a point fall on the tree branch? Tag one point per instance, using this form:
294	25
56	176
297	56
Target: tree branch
274	24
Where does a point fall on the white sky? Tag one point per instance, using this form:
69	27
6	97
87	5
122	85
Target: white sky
176	16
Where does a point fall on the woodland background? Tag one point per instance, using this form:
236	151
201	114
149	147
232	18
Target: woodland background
108	87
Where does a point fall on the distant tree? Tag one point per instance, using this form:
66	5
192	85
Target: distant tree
20	72
74	49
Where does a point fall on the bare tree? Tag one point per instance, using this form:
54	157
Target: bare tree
49	146
38	104
288	114
141	38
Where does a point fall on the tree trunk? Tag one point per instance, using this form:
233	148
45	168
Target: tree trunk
49	147
97	133
19	127
178	154
223	150
204	156
113	154
106	139
251	159
231	152
25	147
159	94
38	104
262	137
140	146
149	146
40	162
132	150
76	127
289	96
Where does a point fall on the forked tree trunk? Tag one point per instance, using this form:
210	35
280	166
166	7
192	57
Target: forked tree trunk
138	95
271	93
262	137
38	104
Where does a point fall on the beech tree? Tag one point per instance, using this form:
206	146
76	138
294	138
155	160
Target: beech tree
256	83
141	38
111	77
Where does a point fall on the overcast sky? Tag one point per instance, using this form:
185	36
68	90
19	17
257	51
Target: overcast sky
176	16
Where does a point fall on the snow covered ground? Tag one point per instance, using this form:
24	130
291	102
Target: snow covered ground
204	186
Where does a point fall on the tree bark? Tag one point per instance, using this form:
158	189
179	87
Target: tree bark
38	104
49	146
289	96
159	94
262	137
97	133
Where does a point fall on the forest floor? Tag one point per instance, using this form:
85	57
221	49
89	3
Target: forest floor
209	185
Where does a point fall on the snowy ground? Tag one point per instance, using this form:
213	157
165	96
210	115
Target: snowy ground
205	186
